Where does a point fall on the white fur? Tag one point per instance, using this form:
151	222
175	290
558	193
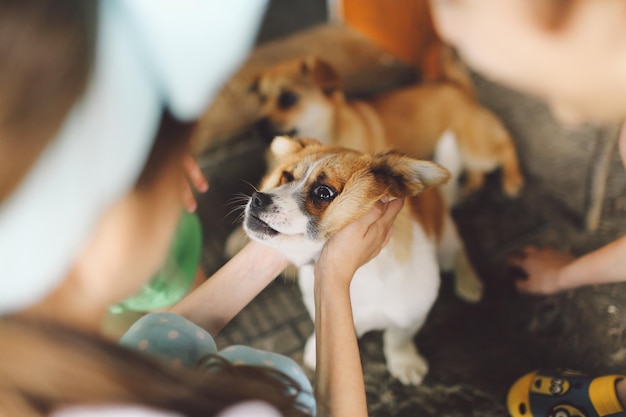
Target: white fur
448	155
314	120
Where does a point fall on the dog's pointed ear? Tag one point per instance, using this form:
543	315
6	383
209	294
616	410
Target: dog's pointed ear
284	145
321	73
406	176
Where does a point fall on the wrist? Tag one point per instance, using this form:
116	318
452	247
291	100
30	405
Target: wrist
562	280
329	284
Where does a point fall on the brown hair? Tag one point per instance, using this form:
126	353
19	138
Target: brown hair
45	366
46	51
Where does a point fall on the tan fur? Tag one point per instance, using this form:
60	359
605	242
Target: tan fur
350	173
429	210
410	119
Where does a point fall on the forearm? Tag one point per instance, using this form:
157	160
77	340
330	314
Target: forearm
232	287
339	376
603	266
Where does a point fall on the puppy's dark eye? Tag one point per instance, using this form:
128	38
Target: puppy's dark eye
323	192
286	177
287	99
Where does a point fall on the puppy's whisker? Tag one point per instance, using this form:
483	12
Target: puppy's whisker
238	198
251	185
237	203
238	219
240	208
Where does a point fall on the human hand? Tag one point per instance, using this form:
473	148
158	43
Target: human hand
195	178
357	243
542	269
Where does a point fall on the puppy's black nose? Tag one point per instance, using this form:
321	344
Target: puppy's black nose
260	200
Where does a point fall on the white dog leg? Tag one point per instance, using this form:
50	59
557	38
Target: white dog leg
403	360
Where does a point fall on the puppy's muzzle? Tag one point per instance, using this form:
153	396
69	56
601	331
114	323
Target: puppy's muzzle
259	202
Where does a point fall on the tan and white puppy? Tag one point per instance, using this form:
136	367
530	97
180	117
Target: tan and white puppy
304	98
315	190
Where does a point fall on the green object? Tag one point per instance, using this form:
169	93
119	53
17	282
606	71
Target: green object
174	280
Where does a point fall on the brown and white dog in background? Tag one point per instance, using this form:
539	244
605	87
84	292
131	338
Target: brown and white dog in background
303	97
315	190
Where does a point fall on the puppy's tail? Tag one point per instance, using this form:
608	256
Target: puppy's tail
448	155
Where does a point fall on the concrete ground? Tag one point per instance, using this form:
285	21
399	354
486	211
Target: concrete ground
475	351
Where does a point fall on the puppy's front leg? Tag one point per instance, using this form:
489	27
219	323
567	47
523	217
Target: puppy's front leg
403	360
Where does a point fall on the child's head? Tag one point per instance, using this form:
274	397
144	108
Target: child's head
570	53
86	87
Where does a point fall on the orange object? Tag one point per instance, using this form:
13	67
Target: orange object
403	27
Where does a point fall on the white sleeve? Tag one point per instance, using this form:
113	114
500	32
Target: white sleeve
250	409
245	409
112	411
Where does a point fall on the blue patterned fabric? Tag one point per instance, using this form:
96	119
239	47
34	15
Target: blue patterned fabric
180	342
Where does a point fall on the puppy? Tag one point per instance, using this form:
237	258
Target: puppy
315	190
304	97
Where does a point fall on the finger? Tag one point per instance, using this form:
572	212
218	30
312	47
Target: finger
516	260
521	286
392	210
384	222
189	200
519	257
388	236
518	274
195	174
375	213
530	250
524	286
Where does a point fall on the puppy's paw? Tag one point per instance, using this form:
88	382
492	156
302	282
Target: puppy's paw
310	357
512	185
408	366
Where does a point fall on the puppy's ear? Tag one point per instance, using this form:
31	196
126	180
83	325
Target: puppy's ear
406	176
284	145
321	73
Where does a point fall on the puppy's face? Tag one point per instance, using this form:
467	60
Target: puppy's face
294	98
315	190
